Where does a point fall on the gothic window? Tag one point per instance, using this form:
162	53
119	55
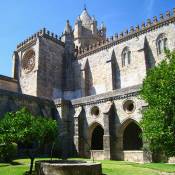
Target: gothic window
126	57
161	43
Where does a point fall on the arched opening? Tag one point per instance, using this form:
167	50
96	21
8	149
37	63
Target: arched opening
97	138
132	137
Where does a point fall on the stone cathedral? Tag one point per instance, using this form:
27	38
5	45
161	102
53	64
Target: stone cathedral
90	83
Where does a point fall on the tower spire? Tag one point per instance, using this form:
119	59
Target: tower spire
85	6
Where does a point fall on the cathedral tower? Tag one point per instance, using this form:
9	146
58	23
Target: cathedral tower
86	31
38	65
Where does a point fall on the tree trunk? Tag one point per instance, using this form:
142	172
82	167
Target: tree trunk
31	165
51	153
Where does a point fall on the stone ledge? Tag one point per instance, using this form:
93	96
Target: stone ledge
112	95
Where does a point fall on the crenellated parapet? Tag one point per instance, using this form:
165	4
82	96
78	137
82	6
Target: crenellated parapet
42	33
149	25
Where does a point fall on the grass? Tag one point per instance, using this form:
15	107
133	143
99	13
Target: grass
128	168
20	166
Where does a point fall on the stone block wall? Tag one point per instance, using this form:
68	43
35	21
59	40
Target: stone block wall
45	79
137	156
143	48
12	101
49	76
8	83
28	81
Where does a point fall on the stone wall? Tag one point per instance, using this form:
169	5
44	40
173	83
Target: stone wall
50	71
45	77
28	81
11	101
143	48
8	83
137	156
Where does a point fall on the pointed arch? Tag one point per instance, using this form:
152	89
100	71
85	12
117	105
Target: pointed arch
131	135
161	43
96	132
96	136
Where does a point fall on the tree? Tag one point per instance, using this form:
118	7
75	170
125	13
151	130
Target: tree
30	131
158	121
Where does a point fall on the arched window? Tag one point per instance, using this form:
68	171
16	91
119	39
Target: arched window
161	43
126	57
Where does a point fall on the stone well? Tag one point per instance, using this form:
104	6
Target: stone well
67	167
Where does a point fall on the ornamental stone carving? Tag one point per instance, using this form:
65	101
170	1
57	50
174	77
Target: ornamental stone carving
28	61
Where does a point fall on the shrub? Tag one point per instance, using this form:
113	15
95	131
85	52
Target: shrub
8	152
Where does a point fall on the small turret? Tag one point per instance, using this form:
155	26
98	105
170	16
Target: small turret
68	28
68	38
78	28
94	26
103	30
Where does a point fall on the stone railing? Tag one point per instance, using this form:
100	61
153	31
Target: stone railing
150	25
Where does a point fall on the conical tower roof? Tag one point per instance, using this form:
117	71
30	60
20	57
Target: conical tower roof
85	17
68	28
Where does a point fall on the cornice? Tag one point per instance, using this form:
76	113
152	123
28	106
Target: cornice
109	96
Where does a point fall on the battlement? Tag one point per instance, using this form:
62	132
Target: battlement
150	25
42	33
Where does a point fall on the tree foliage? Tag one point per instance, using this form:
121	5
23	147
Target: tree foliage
32	132
158	121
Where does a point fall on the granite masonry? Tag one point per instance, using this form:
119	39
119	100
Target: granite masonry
90	83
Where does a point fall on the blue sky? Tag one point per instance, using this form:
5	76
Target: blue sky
21	18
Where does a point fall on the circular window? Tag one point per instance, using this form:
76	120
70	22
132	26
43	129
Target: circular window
28	61
129	106
95	111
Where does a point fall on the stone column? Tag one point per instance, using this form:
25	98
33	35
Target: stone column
83	82
76	128
76	134
106	137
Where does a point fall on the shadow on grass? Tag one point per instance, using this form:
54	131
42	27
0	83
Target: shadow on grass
4	165
16	163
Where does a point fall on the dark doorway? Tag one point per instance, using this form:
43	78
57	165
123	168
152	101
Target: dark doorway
97	138
132	137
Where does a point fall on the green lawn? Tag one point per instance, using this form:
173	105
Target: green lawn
109	168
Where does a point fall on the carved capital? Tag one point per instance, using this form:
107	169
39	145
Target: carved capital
107	107
77	111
